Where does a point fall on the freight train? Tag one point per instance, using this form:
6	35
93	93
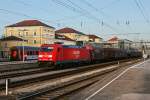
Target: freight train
58	54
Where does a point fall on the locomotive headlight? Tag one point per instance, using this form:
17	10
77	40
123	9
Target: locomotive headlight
49	56
40	55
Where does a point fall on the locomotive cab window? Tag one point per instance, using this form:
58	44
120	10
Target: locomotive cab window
46	49
58	49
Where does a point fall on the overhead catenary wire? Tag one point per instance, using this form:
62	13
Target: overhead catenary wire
100	11
6	11
27	16
142	12
22	2
75	9
78	10
21	14
125	34
94	8
110	4
31	5
14	12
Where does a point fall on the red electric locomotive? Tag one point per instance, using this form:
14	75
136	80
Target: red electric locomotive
55	54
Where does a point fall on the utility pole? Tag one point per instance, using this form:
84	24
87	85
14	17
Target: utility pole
23	30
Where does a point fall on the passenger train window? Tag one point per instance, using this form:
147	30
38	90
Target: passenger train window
28	53
37	52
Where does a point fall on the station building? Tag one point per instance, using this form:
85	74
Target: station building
95	39
115	42
78	36
7	42
72	34
34	31
64	40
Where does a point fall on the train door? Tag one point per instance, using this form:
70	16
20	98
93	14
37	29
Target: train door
60	55
14	54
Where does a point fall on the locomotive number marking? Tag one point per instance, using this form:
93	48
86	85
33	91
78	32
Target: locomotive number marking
76	53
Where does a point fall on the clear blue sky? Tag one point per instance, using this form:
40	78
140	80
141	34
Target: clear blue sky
100	17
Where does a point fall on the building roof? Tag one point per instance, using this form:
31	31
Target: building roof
62	37
127	40
93	36
11	38
68	30
114	39
117	39
29	23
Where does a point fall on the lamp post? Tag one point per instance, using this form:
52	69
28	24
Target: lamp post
23	30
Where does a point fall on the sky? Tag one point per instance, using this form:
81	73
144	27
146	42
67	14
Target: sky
127	19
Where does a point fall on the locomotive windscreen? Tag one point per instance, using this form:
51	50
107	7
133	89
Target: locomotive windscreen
46	49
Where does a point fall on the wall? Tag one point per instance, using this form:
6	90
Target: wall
76	36
36	35
6	45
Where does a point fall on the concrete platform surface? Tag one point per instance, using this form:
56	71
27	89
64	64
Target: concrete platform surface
134	96
130	83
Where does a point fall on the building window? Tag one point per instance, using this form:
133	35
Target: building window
27	41
5	45
34	41
11	34
34	33
26	33
49	31
19	34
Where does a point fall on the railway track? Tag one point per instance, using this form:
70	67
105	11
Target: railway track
23	72
25	76
40	78
16	66
59	92
27	71
9	73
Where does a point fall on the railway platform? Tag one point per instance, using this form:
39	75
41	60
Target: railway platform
14	65
16	62
131	84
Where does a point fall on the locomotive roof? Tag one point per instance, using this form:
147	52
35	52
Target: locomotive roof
72	46
65	46
26	47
